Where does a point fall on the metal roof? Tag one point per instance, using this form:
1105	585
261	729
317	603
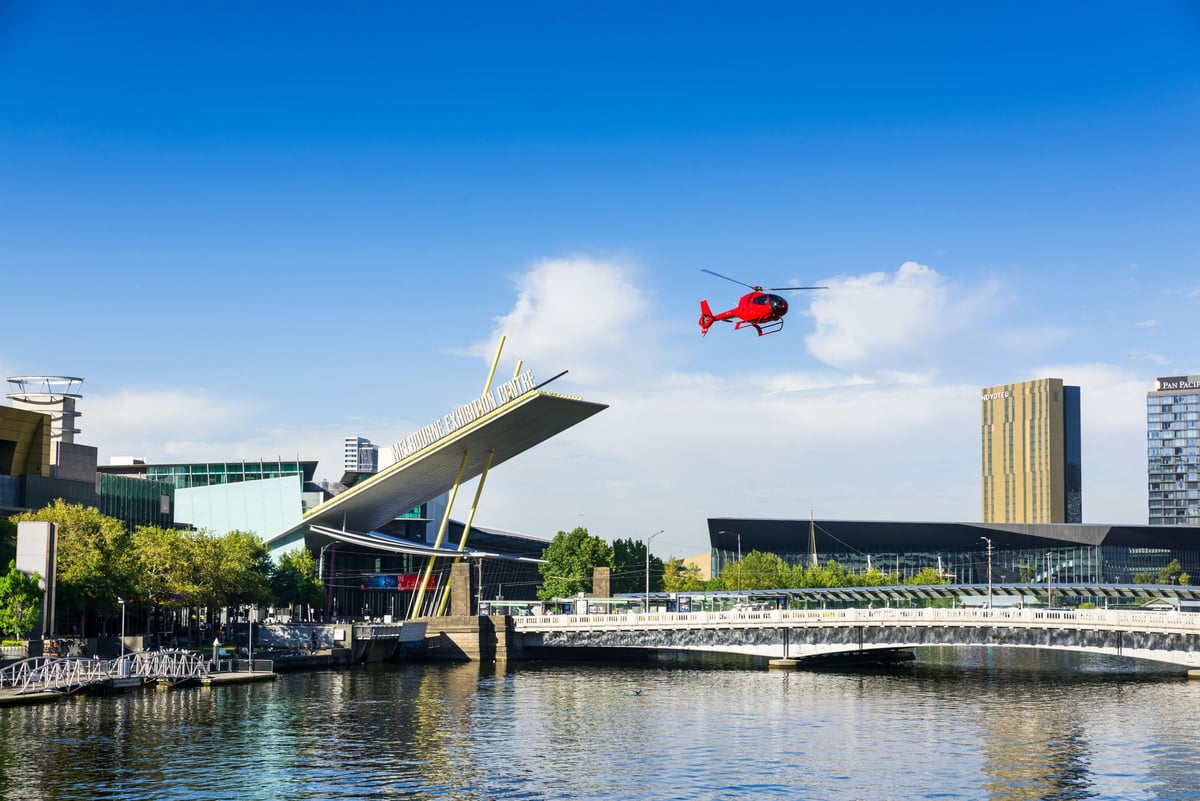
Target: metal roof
875	536
510	429
1127	592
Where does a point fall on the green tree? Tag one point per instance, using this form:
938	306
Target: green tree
678	577
167	571
926	577
294	580
1171	573
570	559
629	567
95	559
20	602
237	569
830	574
876	578
756	571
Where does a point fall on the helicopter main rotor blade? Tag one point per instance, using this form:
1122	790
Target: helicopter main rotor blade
727	278
786	288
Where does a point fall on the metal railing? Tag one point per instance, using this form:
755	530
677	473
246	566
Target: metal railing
70	674
1111	619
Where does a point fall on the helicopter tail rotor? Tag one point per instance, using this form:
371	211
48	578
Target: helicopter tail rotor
706	317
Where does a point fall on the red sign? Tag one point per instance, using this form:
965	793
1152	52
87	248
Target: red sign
404	582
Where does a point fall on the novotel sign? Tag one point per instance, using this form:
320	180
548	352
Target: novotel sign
987	396
463	415
1179	382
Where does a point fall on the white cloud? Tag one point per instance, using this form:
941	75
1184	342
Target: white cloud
1151	357
581	311
903	321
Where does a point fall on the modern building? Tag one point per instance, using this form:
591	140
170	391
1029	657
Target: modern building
1031	453
1173	451
260	496
361	456
40	461
1019	553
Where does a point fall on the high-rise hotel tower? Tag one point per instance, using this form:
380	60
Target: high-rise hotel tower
1031	453
1173	450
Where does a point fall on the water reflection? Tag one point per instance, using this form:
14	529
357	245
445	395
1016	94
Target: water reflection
983	725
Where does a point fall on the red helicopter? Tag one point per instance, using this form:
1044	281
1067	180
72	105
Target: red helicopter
757	308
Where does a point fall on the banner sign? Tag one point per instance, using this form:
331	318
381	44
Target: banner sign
463	415
404	582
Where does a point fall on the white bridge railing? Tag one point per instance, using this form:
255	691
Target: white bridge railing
1166	622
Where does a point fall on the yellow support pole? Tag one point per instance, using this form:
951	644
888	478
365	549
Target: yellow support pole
462	543
495	362
441	535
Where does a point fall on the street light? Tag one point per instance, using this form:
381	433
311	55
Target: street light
989	553
1049	584
327	585
652	536
121	601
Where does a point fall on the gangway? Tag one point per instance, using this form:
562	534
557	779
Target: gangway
70	674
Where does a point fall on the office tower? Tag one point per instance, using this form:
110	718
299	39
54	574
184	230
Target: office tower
360	456
1173	450
1031	453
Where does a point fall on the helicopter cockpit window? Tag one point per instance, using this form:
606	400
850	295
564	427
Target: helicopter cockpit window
762	300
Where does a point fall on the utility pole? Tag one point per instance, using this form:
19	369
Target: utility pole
652	536
989	555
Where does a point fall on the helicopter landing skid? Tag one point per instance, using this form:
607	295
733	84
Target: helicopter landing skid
762	328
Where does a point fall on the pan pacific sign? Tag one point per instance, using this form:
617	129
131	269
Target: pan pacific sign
1178	382
463	415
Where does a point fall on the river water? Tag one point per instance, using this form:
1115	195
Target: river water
984	724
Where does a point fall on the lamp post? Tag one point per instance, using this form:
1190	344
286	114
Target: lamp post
1049	584
121	601
652	536
124	665
327	586
989	554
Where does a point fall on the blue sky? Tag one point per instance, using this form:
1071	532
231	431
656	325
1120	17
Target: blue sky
257	228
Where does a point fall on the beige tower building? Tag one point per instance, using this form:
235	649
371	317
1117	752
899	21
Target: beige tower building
1032	471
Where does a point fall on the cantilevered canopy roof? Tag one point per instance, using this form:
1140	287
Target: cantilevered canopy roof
511	428
382	542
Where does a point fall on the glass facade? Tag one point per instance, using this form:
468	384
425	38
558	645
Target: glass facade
188	476
10	491
1173	455
1058	564
137	501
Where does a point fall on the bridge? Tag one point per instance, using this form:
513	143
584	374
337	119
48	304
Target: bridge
70	674
811	634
